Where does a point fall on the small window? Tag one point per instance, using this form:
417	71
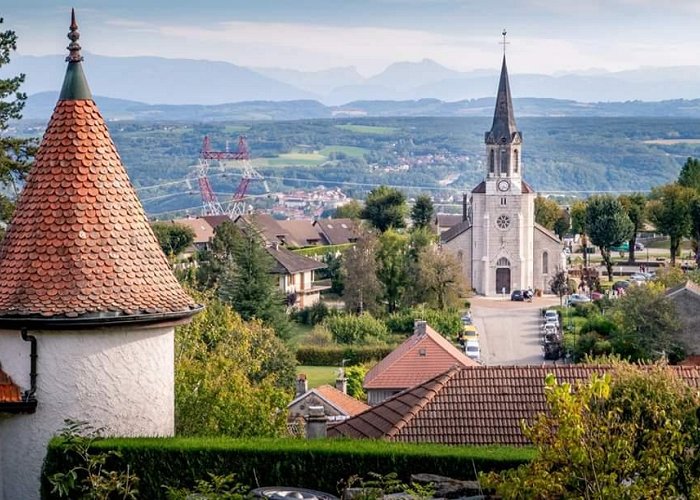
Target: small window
422	352
492	162
516	161
504	161
503	201
460	256
545	263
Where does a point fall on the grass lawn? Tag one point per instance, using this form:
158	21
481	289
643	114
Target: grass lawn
298	333
319	375
368	129
348	150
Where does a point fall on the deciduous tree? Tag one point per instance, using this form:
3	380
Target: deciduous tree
690	174
362	288
173	238
440	277
350	210
385	208
608	225
546	212
392	267
422	212
669	210
635	206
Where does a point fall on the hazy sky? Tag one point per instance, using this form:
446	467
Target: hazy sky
546	36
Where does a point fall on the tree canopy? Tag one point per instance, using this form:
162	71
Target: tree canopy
608	225
635	207
385	208
173	238
690	174
669	210
546	212
350	210
422	212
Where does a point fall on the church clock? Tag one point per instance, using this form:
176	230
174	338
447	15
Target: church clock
503	185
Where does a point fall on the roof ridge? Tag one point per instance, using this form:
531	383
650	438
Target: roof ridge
433	387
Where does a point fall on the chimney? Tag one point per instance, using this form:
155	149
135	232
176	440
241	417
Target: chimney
316	423
419	327
341	383
302	384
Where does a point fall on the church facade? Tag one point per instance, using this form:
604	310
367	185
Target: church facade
498	243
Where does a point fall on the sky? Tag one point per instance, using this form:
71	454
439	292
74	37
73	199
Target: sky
545	36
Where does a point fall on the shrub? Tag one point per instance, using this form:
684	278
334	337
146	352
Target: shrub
351	329
312	315
600	324
447	323
335	354
317	464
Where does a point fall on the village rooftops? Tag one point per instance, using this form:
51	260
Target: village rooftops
344	404
79	250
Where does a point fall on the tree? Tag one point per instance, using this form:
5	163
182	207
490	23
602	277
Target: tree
422	212
213	262
559	285
333	271
608	225
695	221
690	174
669	210
385	208
631	433
362	287
635	206
232	377
392	267
577	212
350	210
173	238
16	154
562	224
546	212
440	276
647	322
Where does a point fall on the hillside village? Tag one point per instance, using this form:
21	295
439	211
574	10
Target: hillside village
517	349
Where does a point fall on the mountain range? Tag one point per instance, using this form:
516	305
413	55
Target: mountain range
161	81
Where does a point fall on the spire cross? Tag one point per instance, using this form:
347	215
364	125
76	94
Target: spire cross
504	42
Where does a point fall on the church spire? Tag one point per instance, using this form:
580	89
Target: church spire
503	129
75	84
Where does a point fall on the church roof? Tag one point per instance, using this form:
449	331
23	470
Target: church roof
525	188
79	249
549	234
503	130
455	231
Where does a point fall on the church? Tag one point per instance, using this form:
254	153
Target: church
498	243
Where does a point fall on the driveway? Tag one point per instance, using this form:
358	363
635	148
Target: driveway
509	332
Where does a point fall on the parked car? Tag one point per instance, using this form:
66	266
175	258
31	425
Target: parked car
638	246
472	350
641	277
551	316
469	333
577	298
466	319
517	295
597	295
621	285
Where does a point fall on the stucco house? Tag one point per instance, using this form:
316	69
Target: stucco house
296	276
686	298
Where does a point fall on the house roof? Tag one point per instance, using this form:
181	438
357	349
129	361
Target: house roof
688	286
423	355
79	249
215	220
300	233
455	231
345	404
549	234
448	220
203	231
290	262
475	405
267	227
338	231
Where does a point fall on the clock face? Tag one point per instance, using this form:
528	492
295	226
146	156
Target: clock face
503	185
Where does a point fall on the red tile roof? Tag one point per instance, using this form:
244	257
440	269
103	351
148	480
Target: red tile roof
9	392
79	244
421	357
475	405
347	404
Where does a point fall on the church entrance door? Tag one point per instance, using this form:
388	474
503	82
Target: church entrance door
503	280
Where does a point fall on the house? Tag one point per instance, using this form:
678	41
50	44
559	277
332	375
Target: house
88	302
203	231
337	405
443	222
301	233
296	276
337	231
474	405
267	228
421	357
686	298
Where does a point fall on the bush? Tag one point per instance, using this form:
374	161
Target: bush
335	354
316	464
312	315
447	323
600	324
351	329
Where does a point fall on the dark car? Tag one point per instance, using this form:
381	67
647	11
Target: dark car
517	295
621	285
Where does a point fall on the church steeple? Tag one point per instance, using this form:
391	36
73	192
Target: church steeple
503	130
75	84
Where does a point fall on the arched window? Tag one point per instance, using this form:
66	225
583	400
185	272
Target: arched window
503	262
460	256
504	161
545	263
516	161
492	162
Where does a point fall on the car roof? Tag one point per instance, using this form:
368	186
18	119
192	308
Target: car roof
472	343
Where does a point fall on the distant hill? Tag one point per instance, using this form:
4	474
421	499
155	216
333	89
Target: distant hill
156	80
39	107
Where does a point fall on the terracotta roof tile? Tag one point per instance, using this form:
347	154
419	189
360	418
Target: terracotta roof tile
79	244
348	404
470	405
9	392
419	358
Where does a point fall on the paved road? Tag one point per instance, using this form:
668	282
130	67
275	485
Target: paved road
509	332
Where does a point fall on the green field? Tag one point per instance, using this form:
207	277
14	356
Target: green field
235	129
348	150
368	129
291	160
319	375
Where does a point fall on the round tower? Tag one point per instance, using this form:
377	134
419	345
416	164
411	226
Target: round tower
88	302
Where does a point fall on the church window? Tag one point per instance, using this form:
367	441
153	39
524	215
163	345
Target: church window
492	161
504	161
503	262
545	263
503	222
516	161
460	256
503	201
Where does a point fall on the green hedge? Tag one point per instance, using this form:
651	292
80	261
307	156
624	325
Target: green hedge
334	355
316	464
323	249
447	323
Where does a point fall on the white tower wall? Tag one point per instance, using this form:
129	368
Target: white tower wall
118	379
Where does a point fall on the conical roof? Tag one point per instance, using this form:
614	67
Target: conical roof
503	130
79	249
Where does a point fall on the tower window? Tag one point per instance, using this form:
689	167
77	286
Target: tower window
504	161
516	161
492	162
503	201
545	263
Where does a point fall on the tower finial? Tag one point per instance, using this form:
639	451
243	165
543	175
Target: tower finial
504	43
73	36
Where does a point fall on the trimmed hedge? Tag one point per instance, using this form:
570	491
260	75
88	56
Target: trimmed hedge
334	355
315	464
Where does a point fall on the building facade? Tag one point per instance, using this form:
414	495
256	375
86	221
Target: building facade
498	243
